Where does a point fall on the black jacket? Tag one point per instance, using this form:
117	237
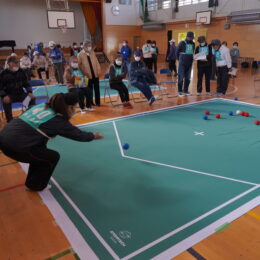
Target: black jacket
21	137
13	83
112	73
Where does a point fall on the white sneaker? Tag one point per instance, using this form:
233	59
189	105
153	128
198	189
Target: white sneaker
180	94
187	93
198	94
82	111
89	109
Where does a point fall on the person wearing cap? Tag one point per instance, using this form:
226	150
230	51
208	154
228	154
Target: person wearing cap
78	84
41	64
185	52
14	87
142	78
90	68
25	138
204	66
26	64
126	52
224	65
117	72
147	54
171	57
56	57
74	50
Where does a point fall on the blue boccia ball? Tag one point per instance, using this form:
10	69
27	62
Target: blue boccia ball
205	117
235	98
230	113
126	146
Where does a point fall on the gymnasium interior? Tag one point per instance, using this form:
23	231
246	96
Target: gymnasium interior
175	176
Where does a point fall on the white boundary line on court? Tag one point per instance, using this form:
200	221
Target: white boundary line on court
188	224
207	231
173	166
78	241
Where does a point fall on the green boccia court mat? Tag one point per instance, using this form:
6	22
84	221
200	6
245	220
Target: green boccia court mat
180	175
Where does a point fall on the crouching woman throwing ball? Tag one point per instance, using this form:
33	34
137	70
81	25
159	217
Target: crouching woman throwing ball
25	138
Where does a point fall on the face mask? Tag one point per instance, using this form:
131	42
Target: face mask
235	47
81	46
118	62
75	46
124	44
89	48
14	69
137	58
52	47
203	44
74	65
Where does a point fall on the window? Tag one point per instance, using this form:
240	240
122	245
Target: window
125	2
182	36
191	2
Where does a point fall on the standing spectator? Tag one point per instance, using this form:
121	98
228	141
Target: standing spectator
75	50
78	84
41	65
185	52
204	66
117	73
224	65
30	52
39	48
13	81
142	78
155	53
25	65
126	52
172	57
224	43
235	54
147	54
89	66
56	57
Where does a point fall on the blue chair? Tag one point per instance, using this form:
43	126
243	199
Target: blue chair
107	91
171	82
39	83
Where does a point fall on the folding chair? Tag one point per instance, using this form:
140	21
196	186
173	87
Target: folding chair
131	88
165	82
107	91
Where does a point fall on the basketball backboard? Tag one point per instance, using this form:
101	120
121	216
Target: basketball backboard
60	18
203	17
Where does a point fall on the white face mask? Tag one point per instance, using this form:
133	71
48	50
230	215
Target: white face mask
51	47
203	44
81	46
14	69
137	58
75	46
124	44
89	48
118	62
235	47
74	65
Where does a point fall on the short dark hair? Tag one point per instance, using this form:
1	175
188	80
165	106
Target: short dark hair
235	43
154	42
224	42
12	59
126	41
118	56
148	41
74	43
60	102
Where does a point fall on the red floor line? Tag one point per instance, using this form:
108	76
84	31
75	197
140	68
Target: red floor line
12	187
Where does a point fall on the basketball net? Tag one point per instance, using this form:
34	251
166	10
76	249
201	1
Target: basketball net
63	28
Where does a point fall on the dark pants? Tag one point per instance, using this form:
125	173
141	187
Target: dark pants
94	84
40	70
144	88
58	67
148	63
28	73
213	69
222	80
155	63
184	73
203	70
8	106
42	162
172	66
83	93
122	90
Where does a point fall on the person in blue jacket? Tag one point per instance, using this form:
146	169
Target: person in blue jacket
185	52
126	52
171	57
56	57
141	77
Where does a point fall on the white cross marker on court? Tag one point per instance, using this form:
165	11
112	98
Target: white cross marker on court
199	133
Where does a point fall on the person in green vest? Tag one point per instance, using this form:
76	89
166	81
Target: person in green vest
25	138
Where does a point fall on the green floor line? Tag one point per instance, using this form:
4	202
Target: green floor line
8	164
59	255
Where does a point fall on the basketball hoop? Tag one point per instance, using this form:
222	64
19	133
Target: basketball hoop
63	28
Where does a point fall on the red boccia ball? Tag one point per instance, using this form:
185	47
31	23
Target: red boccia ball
218	116
207	112
257	122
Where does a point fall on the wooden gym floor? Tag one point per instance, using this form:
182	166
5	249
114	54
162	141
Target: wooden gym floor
29	232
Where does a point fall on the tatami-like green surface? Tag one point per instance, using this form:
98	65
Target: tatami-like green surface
181	174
